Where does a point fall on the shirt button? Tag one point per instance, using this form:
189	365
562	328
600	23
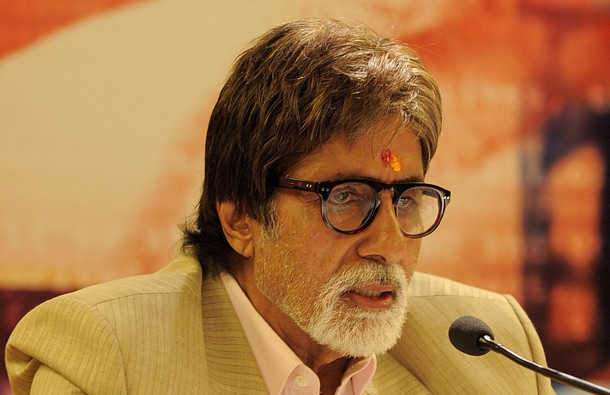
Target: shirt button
301	381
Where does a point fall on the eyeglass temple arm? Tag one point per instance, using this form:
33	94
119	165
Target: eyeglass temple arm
300	185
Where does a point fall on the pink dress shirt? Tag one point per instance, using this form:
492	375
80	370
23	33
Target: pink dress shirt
283	372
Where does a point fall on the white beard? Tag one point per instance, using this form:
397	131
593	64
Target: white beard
351	330
330	319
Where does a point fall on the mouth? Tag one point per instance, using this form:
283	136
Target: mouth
371	297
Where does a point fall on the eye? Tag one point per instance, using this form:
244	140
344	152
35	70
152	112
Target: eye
344	194
410	199
351	194
348	204
405	201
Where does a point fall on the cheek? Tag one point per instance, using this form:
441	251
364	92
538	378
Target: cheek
313	246
412	256
326	252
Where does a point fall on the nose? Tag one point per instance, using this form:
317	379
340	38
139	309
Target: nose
384	241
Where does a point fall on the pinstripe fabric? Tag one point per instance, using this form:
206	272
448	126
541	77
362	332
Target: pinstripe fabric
426	352
168	333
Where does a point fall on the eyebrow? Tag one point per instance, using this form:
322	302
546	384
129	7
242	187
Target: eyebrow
407	180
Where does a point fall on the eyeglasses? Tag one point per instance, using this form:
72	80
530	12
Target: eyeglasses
349	205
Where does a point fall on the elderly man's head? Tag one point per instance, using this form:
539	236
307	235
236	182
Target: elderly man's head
298	87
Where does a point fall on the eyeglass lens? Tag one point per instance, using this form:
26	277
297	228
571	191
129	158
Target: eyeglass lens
350	205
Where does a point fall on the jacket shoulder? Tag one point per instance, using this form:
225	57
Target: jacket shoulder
424	348
182	275
97	329
428	285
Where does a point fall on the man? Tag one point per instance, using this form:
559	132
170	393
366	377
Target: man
297	276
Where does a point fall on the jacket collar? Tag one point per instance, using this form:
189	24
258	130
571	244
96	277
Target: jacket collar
231	366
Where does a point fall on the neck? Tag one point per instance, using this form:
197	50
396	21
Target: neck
330	375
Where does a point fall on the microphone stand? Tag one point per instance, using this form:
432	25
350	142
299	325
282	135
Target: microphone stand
488	342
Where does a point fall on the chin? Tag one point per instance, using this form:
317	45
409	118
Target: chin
361	334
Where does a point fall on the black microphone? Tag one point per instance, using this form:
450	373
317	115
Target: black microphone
472	336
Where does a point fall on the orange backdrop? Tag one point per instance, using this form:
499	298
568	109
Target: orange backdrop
104	106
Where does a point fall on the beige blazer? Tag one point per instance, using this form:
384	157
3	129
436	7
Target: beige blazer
172	333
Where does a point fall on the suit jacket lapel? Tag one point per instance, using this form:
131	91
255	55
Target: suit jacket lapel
231	367
391	377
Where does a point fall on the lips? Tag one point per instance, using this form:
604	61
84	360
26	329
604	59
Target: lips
371	297
368	293
372	291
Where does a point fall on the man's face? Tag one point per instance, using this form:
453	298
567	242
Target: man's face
346	292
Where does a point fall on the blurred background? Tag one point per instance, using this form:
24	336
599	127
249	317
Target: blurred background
104	106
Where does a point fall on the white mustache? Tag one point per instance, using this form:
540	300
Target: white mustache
367	273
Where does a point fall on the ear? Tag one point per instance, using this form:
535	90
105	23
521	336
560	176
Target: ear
236	227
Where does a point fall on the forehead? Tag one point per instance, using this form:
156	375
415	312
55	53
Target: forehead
383	155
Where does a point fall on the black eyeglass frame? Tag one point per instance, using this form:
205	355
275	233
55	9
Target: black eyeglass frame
324	188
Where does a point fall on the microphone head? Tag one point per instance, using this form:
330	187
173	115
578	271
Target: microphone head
465	333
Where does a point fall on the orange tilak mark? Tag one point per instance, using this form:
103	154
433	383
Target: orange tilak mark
389	159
